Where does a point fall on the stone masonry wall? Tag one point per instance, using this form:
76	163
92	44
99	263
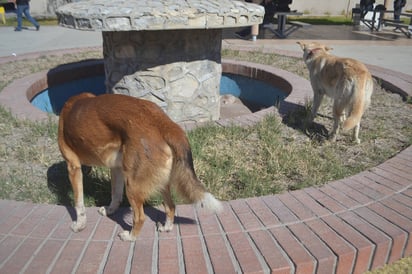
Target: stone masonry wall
166	51
180	72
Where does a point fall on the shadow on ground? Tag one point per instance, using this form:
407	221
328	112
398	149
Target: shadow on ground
98	190
123	217
297	117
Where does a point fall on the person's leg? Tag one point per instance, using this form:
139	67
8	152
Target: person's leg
26	12
396	14
19	17
396	10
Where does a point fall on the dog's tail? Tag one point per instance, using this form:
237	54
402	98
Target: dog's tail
361	102
183	175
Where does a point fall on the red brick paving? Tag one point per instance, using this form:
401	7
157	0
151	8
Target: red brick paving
347	226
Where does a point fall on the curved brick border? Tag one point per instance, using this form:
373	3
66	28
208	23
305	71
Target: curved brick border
347	226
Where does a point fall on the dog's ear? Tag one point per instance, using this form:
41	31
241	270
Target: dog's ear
301	44
328	48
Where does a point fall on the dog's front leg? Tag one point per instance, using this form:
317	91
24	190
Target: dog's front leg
117	183
356	134
317	100
76	179
136	201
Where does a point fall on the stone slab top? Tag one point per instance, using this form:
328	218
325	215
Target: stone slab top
137	15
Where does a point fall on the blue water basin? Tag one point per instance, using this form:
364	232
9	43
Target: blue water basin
255	93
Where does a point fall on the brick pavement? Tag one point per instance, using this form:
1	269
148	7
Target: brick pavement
347	226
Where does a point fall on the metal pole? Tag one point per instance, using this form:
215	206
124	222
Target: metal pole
386	4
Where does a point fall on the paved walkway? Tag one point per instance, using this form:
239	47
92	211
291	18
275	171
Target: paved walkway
385	49
347	226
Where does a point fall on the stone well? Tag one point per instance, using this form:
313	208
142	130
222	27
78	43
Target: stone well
165	51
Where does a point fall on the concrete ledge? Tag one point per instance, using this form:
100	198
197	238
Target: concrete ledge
133	15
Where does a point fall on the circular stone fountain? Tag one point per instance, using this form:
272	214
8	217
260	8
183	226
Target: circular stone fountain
166	51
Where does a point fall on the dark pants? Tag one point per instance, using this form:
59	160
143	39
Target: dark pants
397	14
24	9
397	10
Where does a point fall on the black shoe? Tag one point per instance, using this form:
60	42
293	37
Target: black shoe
38	27
17	29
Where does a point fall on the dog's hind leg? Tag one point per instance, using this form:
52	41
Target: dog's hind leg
138	221
169	210
136	200
117	184
338	114
335	129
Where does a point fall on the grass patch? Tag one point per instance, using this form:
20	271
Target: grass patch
12	22
323	20
264	159
402	266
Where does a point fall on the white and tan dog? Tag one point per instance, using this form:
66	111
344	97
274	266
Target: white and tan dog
347	81
145	150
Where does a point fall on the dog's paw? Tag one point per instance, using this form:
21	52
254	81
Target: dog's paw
78	226
167	227
106	211
102	211
127	236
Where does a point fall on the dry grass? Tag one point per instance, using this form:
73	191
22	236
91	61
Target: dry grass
403	266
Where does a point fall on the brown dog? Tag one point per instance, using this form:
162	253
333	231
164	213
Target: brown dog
347	81
145	150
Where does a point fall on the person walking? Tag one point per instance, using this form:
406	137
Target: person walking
23	7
